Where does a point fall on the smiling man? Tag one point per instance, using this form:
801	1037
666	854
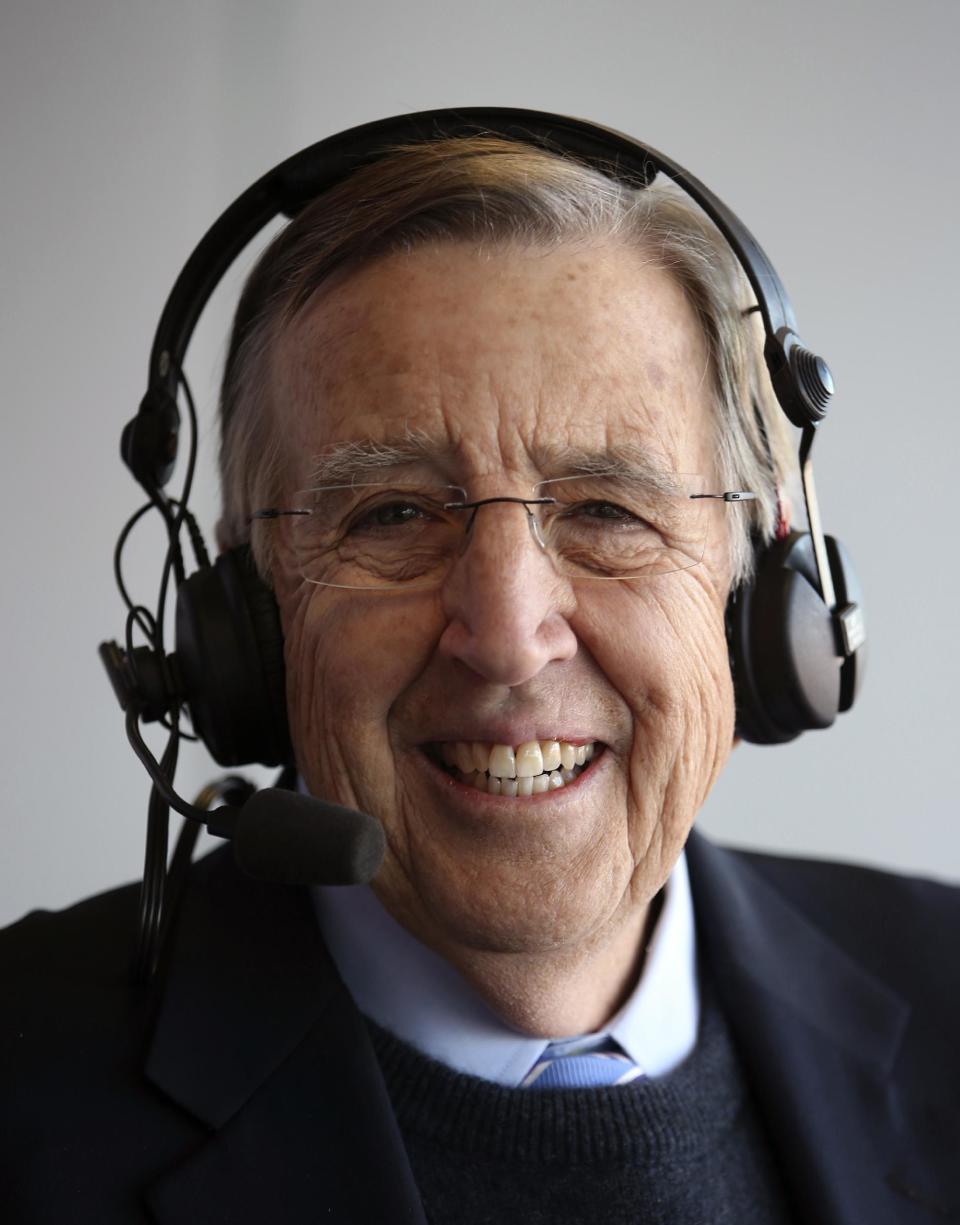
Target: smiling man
512	368
500	451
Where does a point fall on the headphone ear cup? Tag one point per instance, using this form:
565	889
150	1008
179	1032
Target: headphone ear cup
786	670
753	724
230	660
848	591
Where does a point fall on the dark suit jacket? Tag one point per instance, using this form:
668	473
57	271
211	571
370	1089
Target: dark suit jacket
242	1087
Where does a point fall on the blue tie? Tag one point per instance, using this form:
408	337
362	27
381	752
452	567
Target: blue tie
605	1064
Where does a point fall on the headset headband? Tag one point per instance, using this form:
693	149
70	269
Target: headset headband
801	380
795	632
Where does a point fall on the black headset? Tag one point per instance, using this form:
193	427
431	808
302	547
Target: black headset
795	632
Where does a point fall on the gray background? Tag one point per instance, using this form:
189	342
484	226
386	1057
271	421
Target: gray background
127	127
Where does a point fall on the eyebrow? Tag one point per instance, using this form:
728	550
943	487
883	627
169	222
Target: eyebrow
626	461
345	460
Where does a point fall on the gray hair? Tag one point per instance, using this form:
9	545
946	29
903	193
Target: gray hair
489	190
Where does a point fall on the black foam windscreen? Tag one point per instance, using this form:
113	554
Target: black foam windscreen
294	839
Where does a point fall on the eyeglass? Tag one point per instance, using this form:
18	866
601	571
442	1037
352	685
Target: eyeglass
404	534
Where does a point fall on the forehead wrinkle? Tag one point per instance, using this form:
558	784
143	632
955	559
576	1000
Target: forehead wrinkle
429	386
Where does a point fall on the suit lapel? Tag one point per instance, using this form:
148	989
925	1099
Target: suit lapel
819	1038
257	1038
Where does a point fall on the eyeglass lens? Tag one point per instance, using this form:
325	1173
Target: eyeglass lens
405	534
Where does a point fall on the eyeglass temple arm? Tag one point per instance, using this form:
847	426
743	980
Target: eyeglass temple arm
731	495
824	573
273	512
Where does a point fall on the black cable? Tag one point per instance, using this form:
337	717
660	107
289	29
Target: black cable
118	570
200	553
232	790
180	864
161	884
197	543
158	811
173	562
154	867
137	616
176	881
165	722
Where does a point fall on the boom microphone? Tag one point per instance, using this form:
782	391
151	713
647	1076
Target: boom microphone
295	839
279	835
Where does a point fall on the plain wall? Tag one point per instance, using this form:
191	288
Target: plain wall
127	127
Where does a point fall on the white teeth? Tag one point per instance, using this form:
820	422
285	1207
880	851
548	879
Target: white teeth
529	759
502	761
481	755
550	750
463	757
531	768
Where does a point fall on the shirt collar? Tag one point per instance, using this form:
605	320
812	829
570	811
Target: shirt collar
409	990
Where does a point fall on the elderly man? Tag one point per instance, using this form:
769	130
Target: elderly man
478	407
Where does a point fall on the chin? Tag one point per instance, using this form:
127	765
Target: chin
514	901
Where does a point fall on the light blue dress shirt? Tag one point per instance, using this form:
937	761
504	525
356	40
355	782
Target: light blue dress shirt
416	995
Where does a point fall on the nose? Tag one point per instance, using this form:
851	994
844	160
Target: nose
508	610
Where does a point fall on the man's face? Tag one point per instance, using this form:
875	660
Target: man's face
495	357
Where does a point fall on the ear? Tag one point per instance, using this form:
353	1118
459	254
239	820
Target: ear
221	536
784	513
